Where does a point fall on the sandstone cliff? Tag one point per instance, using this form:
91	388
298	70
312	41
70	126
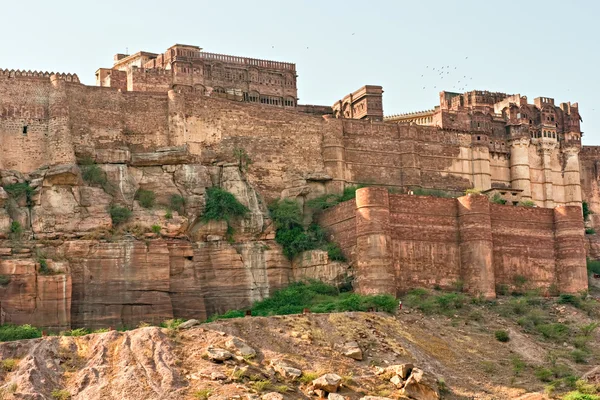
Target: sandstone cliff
65	263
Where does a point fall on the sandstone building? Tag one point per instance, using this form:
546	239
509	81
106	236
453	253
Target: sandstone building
171	123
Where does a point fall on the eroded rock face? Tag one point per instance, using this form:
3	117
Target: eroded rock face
328	382
421	386
164	262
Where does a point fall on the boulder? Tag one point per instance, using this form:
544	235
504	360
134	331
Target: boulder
374	398
533	396
335	396
218	376
241	347
217	354
272	396
285	369
3	196
421	386
62	175
328	382
592	376
162	156
352	350
397	381
402	370
188	324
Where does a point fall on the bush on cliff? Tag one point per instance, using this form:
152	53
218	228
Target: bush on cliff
329	200
92	173
10	332
316	296
146	198
293	237
119	214
222	205
593	266
16	190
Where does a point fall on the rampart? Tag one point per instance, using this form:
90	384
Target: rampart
399	242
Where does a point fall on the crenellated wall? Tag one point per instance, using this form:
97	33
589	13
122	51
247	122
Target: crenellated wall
399	242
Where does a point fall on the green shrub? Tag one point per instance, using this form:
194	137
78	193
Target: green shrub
544	374
554	331
315	296
577	395
93	174
146	198
4	280
593	266
334	252
60	394
286	214
579	356
16	228
172	323
472	191
590	231
44	269
502	336
586	210
497	199
222	205
10	332
502	289
569	299
243	159
156	228
169	214
329	200
76	332
518	365
202	394
177	203
527	203
9	364
588	329
119	214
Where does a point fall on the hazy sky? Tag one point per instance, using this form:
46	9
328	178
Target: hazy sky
536	48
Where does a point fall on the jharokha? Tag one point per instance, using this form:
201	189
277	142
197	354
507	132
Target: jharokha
178	123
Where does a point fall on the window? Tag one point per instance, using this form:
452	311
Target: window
25	128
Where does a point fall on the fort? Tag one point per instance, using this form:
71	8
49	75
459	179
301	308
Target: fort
171	123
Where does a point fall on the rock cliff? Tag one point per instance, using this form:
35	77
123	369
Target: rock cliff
64	262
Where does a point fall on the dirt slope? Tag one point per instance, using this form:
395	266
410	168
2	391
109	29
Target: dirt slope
155	363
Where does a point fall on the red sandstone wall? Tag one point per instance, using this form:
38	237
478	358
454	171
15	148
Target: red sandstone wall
524	245
340	224
425	241
438	241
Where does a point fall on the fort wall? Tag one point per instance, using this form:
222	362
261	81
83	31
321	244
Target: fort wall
439	241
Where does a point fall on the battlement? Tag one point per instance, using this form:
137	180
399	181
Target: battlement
250	62
12	73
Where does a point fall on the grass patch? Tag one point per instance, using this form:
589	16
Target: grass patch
4	280
202	394
316	296
60	394
156	229
527	203
308	377
172	323
497	199
10	332
435	302
92	173
76	332
9	364
593	266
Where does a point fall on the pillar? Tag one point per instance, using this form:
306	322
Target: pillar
546	150
476	248
571	176
375	272
571	270
519	166
176	122
334	154
60	141
410	174
482	177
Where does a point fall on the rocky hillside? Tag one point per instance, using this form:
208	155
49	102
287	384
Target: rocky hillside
456	353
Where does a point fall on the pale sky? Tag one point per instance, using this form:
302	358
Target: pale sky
535	48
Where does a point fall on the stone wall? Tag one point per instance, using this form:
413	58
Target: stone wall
399	242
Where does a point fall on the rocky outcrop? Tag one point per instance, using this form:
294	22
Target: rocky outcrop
164	262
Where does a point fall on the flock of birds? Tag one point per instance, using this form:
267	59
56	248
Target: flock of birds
435	75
